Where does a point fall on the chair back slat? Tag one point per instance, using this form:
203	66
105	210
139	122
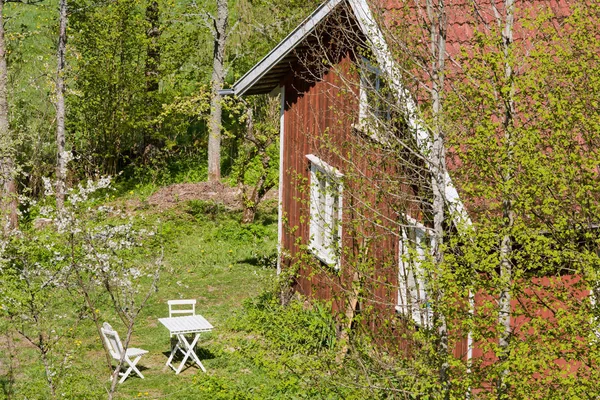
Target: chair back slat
112	340
182	307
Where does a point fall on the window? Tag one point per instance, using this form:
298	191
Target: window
413	299
374	95
325	211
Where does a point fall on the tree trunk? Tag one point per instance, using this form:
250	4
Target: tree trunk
91	306
258	192
10	369
218	77
61	159
438	23
504	312
153	50
47	368
350	313
8	187
115	375
152	74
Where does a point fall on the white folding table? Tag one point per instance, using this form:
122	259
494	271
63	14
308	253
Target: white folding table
181	326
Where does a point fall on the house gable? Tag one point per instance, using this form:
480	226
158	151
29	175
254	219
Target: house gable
268	74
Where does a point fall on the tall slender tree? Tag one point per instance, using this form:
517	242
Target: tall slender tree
506	22
152	70
220	34
62	158
438	21
8	187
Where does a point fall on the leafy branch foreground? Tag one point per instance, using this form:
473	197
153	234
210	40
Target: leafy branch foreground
296	348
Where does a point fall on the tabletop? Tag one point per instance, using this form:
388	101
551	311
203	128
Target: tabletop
187	324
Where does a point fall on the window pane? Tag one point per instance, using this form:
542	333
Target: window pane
412	278
376	93
325	206
334	234
322	207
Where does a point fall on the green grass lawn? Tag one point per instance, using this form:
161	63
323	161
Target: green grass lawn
258	350
208	256
218	262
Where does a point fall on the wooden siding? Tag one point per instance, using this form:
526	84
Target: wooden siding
313	109
321	108
319	118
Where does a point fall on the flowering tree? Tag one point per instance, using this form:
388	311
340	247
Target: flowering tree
85	259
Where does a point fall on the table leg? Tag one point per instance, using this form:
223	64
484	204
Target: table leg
190	352
193	353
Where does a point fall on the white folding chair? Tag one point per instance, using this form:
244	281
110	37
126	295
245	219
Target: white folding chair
115	347
182	307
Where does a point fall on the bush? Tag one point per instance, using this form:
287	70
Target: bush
295	327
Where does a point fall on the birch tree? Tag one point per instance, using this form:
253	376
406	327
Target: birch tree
506	23
62	157
220	33
8	188
438	22
522	134
419	47
153	32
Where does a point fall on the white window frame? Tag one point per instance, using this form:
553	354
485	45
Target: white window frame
412	279
365	109
594	296
325	188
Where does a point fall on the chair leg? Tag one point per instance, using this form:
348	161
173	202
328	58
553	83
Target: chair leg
135	368
125	375
132	367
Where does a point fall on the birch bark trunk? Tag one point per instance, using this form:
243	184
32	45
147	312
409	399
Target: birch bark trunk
218	77
438	27
506	246
61	159
8	187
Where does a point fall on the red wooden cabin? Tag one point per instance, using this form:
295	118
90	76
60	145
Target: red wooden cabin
345	198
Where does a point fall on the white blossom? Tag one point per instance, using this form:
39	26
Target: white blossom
48	188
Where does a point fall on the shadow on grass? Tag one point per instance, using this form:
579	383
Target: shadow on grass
202	353
6	383
139	366
266	261
132	374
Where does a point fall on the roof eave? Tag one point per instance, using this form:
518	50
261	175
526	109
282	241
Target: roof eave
244	84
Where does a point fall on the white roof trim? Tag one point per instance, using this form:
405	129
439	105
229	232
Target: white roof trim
322	165
370	28
284	47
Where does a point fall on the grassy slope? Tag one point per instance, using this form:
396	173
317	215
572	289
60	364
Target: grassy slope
216	261
209	256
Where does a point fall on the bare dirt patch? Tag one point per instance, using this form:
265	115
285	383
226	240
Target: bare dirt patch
230	197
